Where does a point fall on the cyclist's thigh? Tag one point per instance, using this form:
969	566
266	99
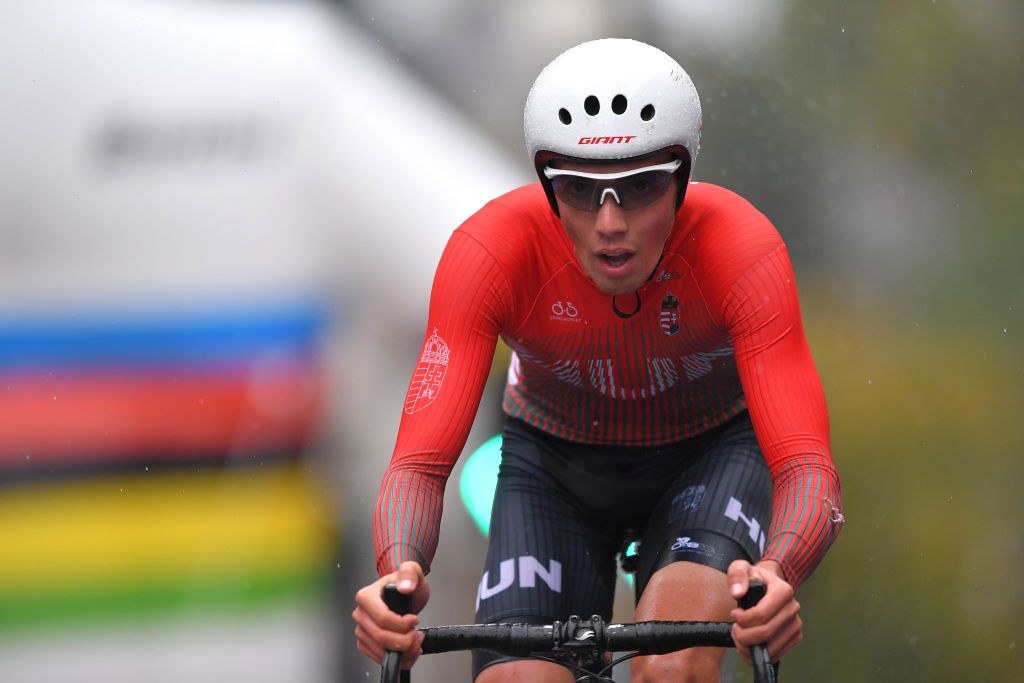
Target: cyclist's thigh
717	509
683	591
520	670
544	562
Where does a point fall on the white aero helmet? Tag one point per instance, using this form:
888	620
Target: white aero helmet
612	99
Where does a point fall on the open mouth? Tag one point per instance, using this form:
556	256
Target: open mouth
616	259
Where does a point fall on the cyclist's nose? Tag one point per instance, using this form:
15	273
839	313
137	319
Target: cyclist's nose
610	218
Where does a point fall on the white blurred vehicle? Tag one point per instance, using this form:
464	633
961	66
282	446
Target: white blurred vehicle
167	163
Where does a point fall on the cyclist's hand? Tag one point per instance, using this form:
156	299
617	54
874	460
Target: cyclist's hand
379	629
775	620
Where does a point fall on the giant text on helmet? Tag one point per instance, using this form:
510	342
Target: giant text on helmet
605	140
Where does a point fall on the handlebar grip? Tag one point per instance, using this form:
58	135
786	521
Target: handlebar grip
755	591
764	670
399	603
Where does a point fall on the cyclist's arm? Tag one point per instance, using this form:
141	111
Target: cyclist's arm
787	406
466	309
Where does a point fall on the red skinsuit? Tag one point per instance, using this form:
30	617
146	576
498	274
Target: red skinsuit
718	330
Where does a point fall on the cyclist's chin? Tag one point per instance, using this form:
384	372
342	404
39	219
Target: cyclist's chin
615	286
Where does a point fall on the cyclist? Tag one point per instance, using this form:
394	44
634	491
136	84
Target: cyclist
661	385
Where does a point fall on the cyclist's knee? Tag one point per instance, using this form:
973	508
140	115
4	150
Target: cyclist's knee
693	666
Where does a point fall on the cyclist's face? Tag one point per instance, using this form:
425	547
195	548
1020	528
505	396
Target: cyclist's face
617	249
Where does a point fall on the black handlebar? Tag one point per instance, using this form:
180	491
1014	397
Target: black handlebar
399	603
520	640
764	670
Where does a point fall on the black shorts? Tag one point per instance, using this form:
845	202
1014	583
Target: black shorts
563	511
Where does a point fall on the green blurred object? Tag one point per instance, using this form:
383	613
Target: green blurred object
478	481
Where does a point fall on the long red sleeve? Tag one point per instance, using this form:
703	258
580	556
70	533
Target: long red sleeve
442	401
787	407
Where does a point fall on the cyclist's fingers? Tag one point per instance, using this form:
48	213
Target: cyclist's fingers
752	627
778	594
377	640
411	580
385	635
779	599
370	606
789	635
785	639
369	597
389	621
413	653
748	630
777	591
372	649
377	653
738	578
369	647
376	617
742	649
780	636
408	576
397	641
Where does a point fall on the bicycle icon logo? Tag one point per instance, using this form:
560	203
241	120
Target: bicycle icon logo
563	311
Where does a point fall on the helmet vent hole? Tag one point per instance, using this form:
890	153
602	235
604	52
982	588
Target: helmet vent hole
647	113
592	105
564	116
619	104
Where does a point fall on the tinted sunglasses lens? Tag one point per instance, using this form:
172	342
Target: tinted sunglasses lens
635	191
643	189
577	192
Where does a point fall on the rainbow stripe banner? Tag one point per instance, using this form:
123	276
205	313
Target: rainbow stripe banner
171	543
177	335
124	391
103	388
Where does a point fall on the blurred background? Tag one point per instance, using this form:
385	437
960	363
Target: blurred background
218	225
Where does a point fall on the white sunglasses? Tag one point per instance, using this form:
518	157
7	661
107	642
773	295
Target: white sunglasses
632	189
